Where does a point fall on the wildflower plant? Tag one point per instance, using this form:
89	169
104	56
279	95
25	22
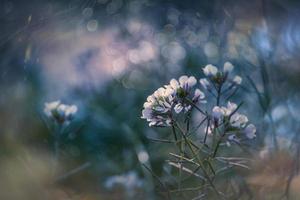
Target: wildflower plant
60	113
200	147
59	116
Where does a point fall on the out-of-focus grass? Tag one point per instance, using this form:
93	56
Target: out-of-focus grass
27	174
270	177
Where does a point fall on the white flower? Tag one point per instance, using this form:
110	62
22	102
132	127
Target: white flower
183	79
187	108
218	112
231	107
210	70
159	106
204	82
198	95
178	108
228	67
187	82
250	131
220	78
209	129
147	113
50	107
66	110
237	80
238	120
192	81
130	181
60	112
174	84
71	110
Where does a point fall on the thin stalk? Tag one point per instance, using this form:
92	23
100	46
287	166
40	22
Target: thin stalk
206	131
160	182
174	133
193	104
199	161
218	144
56	147
219	93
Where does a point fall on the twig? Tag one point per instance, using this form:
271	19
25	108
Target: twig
159	181
73	171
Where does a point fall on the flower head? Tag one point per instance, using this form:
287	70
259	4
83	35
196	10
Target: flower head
238	120
129	181
234	121
237	80
59	112
219	77
228	67
219	112
210	70
250	131
159	106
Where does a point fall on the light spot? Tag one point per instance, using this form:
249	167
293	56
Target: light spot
92	25
211	50
143	156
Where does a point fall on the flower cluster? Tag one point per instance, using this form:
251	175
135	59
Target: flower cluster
129	180
59	112
221	119
235	123
177	96
219	77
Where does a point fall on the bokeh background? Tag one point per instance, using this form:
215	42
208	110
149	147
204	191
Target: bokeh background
106	57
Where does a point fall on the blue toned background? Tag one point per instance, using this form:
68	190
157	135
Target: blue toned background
106	57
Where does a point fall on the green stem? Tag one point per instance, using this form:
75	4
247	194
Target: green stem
198	159
193	104
219	92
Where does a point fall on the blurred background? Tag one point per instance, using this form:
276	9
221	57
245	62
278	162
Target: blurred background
106	57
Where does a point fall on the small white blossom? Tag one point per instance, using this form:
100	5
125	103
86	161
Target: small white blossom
210	70
50	107
228	67
250	131
60	112
210	129
129	181
231	107
174	83
186	82
178	108
198	95
204	82
219	77
238	120
66	110
218	112
237	80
